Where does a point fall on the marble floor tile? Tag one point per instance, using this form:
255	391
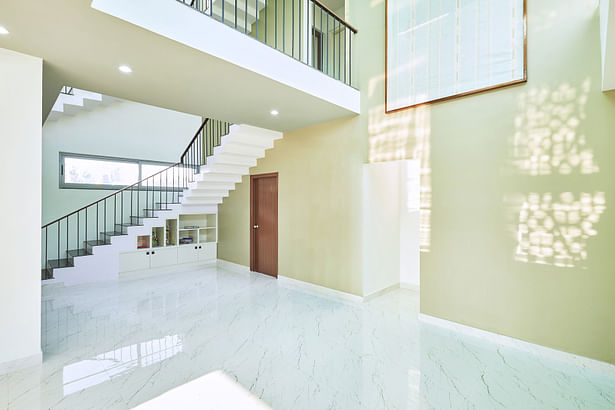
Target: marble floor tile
118	344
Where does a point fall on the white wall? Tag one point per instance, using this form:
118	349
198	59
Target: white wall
409	224
124	129
390	225
20	159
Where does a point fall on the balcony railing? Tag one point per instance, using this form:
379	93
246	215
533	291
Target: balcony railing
306	30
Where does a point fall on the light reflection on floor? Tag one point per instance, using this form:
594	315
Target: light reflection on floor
291	349
104	367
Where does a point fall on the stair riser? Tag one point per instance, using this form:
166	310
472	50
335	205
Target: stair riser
226	159
240	149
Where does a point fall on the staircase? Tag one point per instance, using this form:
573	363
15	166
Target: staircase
84	246
72	101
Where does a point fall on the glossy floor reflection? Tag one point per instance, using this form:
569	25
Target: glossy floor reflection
116	345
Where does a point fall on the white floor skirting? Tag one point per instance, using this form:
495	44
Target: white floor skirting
581	361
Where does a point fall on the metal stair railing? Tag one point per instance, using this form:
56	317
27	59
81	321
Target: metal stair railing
95	224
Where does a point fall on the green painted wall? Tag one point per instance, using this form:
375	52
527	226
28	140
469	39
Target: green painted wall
543	274
319	237
487	261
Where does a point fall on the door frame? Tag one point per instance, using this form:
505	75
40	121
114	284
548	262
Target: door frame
253	178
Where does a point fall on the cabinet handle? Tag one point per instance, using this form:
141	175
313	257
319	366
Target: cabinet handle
153	252
195	247
147	253
200	247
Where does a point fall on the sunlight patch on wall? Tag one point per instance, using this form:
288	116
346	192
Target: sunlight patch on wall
550	146
547	139
554	230
405	135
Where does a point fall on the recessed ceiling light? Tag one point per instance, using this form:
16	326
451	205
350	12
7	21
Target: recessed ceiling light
3	31
274	112
125	69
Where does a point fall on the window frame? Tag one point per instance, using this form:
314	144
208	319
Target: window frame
71	185
522	80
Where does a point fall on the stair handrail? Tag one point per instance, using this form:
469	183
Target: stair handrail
110	195
335	16
182	173
196	135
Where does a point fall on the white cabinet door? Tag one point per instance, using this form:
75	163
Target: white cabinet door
207	251
130	261
187	253
163	257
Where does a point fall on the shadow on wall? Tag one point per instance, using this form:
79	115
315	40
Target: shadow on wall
405	135
553	228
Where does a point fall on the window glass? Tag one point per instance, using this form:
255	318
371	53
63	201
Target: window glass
99	172
440	49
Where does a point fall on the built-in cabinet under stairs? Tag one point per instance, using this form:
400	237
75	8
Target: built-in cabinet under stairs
168	218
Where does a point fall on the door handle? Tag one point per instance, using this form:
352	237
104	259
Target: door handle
255	227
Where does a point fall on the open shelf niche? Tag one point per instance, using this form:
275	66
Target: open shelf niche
207	235
143	242
171	232
157	236
187	229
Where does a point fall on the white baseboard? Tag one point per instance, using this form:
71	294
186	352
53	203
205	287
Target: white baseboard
320	290
233	267
410	286
313	288
554	354
23	363
380	292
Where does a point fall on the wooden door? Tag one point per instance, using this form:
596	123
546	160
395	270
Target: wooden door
264	223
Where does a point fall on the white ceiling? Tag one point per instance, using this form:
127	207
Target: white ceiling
82	47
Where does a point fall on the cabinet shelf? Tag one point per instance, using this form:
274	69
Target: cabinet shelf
164	247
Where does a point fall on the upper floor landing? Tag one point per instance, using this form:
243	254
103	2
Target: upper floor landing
236	60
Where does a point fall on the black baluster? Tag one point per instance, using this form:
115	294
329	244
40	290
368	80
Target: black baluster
339	55
266	13
327	54
350	59
46	249
345	54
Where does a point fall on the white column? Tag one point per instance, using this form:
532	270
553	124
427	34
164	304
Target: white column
20	167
